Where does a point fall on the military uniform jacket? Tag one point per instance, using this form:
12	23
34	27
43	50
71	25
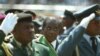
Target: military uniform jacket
14	50
38	50
75	38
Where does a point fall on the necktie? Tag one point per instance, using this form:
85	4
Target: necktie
24	50
94	46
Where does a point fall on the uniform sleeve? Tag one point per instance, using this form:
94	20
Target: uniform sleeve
68	45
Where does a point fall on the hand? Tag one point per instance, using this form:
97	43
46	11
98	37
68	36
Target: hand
9	23
84	23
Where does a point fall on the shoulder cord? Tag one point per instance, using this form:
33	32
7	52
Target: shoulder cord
6	49
77	51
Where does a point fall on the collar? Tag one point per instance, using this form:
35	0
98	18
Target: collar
19	44
87	37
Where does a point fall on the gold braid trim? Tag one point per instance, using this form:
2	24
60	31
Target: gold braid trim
98	12
77	51
4	45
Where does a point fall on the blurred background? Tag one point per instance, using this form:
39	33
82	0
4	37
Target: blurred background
46	7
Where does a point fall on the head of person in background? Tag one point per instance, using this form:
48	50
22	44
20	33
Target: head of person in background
68	19
32	13
38	23
51	28
13	11
2	16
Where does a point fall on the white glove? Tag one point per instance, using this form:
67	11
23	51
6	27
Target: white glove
9	23
84	23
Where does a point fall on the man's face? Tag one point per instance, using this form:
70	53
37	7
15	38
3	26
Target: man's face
68	22
51	30
94	27
97	25
24	32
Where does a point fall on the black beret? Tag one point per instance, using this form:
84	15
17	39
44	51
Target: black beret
86	11
24	17
30	12
68	14
13	11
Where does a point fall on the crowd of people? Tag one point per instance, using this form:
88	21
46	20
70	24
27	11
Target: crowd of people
75	34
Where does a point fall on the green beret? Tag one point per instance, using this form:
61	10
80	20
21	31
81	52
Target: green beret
24	17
